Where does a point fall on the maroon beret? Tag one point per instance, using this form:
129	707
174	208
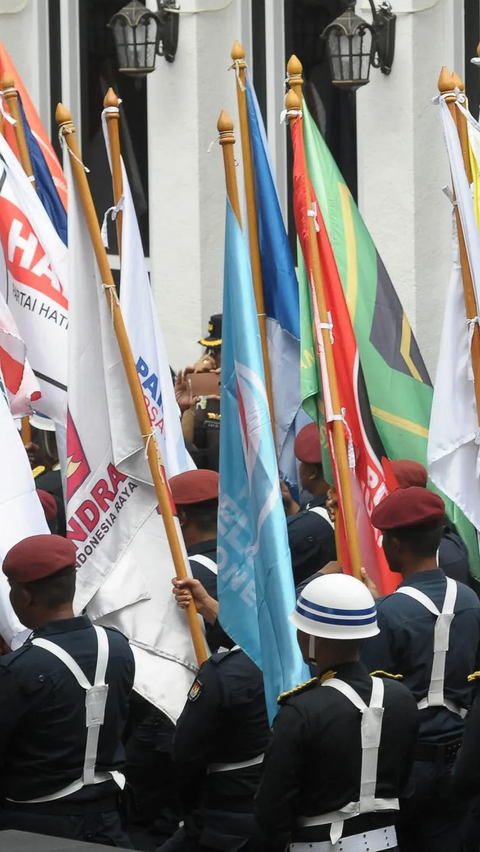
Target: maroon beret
307	445
194	486
408	507
49	504
38	556
409	473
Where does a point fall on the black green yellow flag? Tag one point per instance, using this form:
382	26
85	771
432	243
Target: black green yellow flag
397	382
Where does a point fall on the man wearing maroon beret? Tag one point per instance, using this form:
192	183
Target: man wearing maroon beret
452	553
430	637
310	532
63	705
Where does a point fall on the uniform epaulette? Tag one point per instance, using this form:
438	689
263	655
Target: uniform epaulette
297	690
381	673
38	470
473	676
213	416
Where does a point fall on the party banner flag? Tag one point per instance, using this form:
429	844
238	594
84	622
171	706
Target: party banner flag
146	339
18	378
124	562
255	580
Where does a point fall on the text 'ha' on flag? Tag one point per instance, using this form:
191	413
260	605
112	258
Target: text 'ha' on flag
255	581
146	339
280	291
33	282
365	451
124	563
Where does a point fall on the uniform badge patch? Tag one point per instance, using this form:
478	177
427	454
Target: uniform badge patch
195	690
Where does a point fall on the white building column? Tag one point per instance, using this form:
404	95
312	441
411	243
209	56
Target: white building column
402	164
187	184
24	32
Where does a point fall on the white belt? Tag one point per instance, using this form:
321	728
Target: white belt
205	561
229	767
371	841
322	512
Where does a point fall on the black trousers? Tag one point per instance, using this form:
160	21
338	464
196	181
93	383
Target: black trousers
431	819
104	828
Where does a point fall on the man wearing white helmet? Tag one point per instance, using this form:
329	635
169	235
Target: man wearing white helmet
343	743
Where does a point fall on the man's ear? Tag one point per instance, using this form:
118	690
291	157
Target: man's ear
27	597
182	517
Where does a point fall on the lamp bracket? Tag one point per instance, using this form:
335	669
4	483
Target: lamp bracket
384	24
168	18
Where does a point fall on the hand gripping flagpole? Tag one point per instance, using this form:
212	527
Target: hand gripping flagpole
239	64
112	116
293	106
64	121
10	95
448	83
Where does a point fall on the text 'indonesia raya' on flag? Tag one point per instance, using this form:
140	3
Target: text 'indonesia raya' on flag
364	446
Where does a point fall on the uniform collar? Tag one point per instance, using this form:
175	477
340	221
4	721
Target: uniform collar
62	625
202	547
321	500
345	671
423	577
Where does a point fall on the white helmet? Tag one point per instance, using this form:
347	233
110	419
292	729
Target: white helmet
41	421
336	606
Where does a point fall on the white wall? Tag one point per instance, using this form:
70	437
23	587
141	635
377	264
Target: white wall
402	163
187	186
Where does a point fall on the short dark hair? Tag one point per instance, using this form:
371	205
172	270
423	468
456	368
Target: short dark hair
54	591
203	514
422	541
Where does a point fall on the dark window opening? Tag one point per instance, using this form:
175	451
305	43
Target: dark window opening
55	57
259	55
472	37
99	71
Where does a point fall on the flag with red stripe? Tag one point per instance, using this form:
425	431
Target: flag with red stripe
365	449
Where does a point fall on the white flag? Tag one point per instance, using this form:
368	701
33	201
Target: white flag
146	339
454	437
33	273
21	513
123	558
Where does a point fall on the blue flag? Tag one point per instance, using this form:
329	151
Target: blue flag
280	289
255	581
46	189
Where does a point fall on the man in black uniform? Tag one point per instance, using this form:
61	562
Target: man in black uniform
430	635
220	740
452	553
343	743
63	705
310	532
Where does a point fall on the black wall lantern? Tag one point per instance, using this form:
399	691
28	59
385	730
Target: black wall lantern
140	35
354	46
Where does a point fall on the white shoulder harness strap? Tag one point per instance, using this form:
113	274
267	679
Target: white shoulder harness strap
441	641
206	562
371	732
322	512
95	702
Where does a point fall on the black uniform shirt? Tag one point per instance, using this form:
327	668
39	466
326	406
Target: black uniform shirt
405	646
313	765
453	557
206	435
224	721
42	711
466	770
312	541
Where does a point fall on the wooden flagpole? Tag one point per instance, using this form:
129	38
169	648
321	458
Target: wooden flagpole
294	105
448	83
64	120
239	64
227	141
11	96
113	117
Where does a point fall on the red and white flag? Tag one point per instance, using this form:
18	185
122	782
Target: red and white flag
123	558
33	275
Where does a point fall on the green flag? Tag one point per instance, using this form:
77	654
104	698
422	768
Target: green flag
397	381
